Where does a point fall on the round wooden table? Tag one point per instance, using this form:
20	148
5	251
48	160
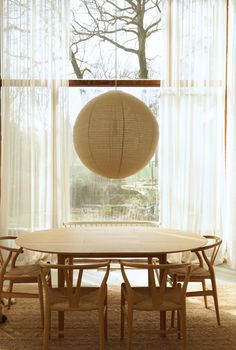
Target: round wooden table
113	242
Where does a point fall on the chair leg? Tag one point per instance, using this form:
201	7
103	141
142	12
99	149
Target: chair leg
105	319
183	327
9	290
122	316
213	282
204	289
47	326
174	284
179	324
129	329
40	288
101	328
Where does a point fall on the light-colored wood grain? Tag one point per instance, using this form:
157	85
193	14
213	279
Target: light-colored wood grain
109	223
111	241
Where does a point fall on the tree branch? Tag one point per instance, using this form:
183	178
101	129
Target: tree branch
117	7
128	49
155	24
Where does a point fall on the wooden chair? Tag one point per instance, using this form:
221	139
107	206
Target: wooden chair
12	274
75	296
154	296
201	271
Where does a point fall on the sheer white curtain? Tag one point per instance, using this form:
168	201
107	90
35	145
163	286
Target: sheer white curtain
191	146
35	122
230	205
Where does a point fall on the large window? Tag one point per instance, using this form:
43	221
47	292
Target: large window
116	39
114	43
93	196
56	57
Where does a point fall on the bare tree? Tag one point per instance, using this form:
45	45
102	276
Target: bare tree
128	25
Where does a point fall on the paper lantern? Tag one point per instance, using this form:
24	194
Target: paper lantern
115	134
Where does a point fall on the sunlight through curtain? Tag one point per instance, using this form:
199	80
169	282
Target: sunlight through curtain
230	205
191	147
34	178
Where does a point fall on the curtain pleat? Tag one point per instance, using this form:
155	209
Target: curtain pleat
230	201
191	148
35	120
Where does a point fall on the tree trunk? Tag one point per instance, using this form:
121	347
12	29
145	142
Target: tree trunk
75	66
143	71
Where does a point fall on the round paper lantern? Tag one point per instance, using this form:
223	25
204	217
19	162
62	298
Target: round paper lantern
115	134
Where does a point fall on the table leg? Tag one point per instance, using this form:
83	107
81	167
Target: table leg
60	260
3	318
162	260
149	273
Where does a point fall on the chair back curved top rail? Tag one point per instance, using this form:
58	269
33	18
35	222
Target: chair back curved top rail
213	246
73	287
156	286
11	253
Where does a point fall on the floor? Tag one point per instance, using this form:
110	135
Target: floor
225	275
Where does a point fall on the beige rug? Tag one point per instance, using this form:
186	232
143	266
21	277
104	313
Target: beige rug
22	330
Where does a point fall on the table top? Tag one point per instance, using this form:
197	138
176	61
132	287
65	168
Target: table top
113	241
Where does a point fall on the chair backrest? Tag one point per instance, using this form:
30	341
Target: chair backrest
208	253
74	281
72	224
8	254
154	270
